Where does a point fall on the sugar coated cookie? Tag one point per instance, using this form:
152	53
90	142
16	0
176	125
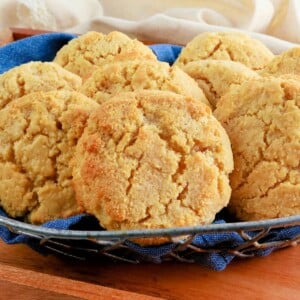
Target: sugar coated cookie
127	76
262	119
226	46
152	159
286	63
38	134
82	55
215	77
35	77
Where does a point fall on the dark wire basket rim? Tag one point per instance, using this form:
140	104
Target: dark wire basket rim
30	229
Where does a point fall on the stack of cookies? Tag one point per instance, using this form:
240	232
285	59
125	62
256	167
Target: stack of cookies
256	97
109	130
41	118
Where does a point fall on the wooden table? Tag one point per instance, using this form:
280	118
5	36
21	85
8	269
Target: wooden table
27	273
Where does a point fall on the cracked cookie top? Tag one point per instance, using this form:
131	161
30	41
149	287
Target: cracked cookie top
35	77
262	119
215	77
226	46
82	55
152	159
38	134
287	62
128	76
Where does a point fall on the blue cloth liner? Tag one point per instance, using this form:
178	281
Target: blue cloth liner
166	52
43	48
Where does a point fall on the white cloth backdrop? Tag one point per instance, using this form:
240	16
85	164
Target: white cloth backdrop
275	22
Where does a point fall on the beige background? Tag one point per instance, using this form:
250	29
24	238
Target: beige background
174	21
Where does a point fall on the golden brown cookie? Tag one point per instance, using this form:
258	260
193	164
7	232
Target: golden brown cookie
82	55
286	63
152	159
127	76
226	46
293	77
35	77
38	134
262	119
215	77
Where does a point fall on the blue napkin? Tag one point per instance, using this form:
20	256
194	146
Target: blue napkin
43	48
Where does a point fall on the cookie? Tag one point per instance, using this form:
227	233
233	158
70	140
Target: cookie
262	119
226	46
82	55
152	159
286	63
215	77
128	76
35	77
38	134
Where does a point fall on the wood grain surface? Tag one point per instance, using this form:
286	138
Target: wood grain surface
40	285
276	276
